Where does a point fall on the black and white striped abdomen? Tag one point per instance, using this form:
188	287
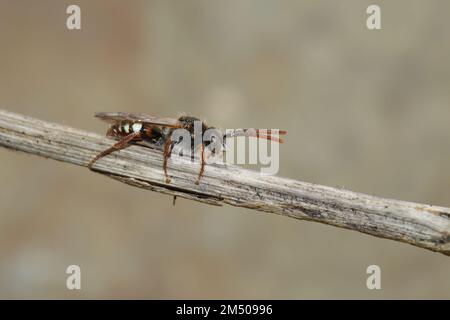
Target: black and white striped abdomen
125	128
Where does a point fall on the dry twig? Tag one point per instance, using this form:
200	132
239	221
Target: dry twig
417	224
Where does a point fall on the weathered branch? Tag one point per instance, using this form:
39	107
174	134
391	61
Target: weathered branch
417	224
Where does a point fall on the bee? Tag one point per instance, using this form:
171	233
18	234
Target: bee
157	133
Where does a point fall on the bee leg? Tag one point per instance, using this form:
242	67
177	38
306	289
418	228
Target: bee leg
202	163
122	144
166	153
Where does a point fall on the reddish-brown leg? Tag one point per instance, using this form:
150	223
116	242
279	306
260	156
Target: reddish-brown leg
202	163
166	154
122	144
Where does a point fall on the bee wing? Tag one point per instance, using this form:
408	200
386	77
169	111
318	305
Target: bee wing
113	117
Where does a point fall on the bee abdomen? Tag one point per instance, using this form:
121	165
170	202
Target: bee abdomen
126	128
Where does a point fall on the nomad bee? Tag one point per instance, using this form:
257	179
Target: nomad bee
157	133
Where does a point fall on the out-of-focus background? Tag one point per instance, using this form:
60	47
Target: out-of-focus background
366	110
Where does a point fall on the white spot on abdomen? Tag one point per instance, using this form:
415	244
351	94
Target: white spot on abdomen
137	127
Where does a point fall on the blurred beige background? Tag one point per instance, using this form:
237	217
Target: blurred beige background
367	110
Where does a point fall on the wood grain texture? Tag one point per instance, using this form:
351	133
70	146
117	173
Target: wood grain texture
421	225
